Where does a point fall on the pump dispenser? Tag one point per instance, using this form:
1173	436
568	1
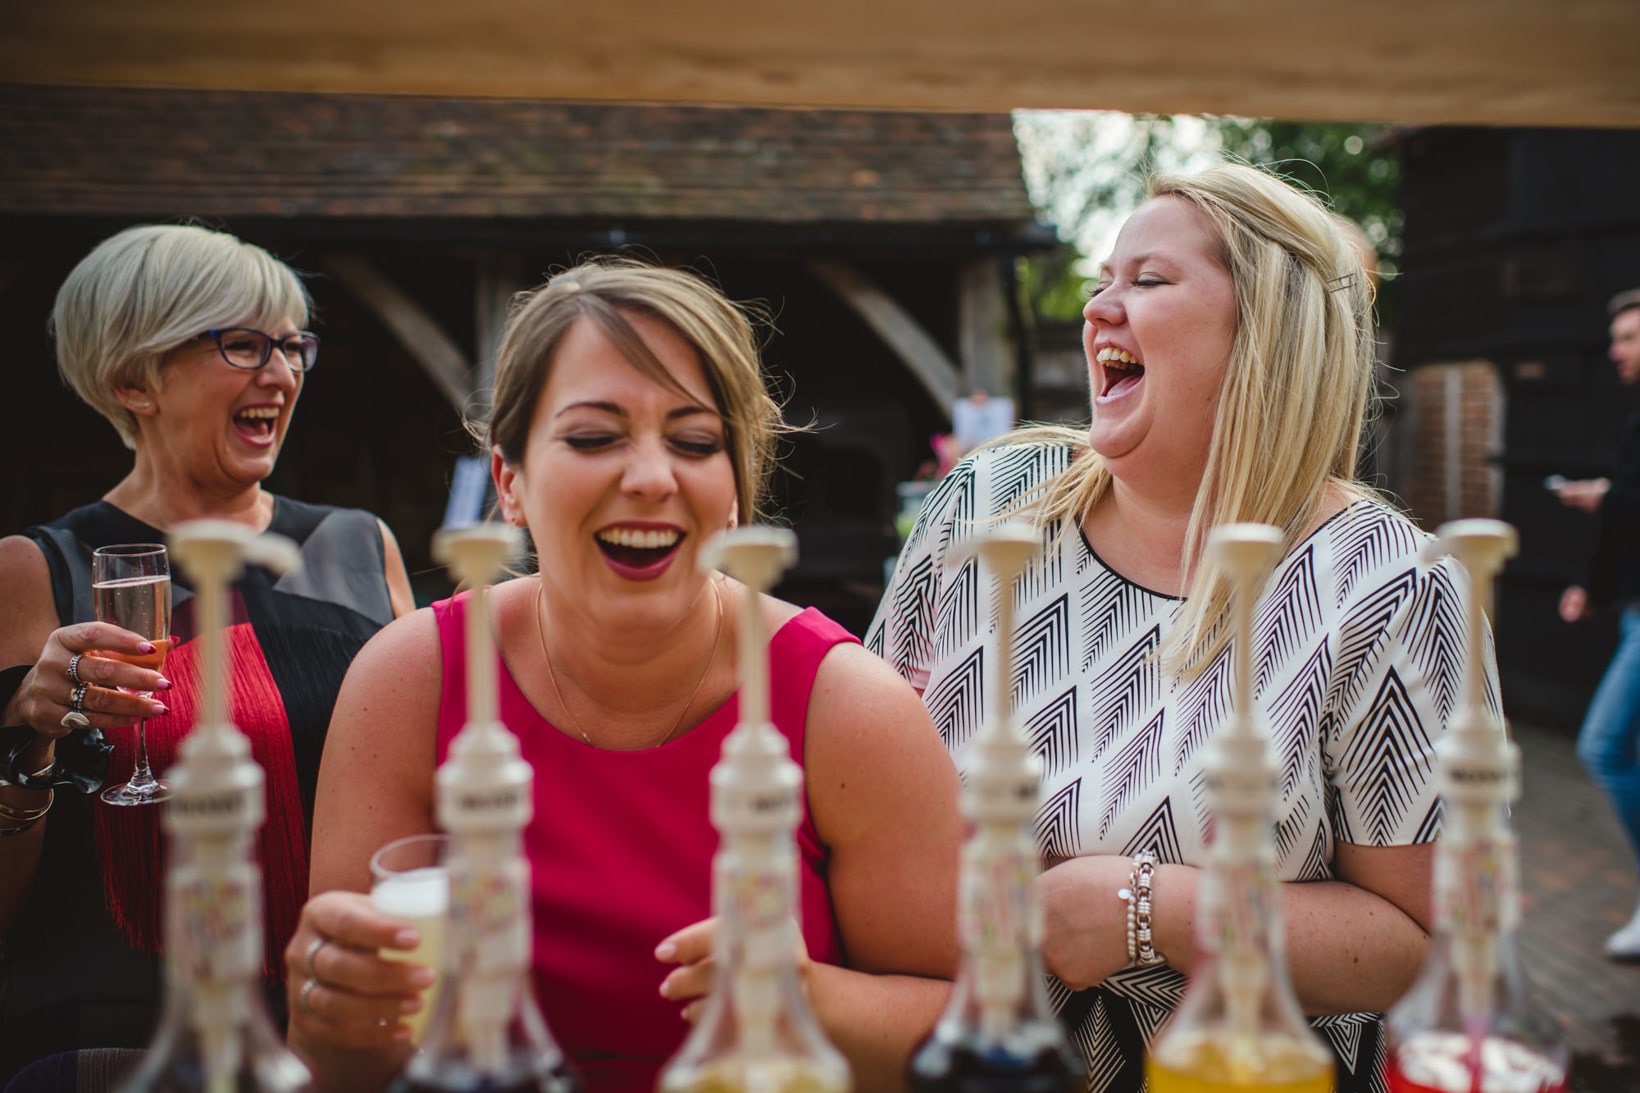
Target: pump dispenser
998	1033
757	1032
486	1033
1239	1026
214	1034
1469	1024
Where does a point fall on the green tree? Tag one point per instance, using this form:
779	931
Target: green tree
1347	164
1081	166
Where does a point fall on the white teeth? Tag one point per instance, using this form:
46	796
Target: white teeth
268	412
1111	355
641	540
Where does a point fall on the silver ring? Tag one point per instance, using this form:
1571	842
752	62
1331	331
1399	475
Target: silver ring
74	720
76	701
74	669
312	951
302	997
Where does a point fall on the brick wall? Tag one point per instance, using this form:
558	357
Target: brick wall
1451	423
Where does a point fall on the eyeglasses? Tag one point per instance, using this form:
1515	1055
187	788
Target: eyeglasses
250	349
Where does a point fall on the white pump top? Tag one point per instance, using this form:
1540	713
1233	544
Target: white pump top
1004	777
216	787
484	784
1241	773
756	788
1479	766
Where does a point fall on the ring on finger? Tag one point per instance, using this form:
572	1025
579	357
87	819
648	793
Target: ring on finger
74	670
302	1000
312	951
75	718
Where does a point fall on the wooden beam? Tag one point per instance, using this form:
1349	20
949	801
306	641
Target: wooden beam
982	333
415	330
1512	62
499	278
895	325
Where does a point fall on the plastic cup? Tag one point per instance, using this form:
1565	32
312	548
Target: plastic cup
409	882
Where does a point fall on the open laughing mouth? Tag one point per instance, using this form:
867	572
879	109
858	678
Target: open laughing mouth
638	548
257	422
1122	370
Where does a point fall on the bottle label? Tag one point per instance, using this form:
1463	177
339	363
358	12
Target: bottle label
760	904
1236	901
1475	885
998	920
489	914
216	923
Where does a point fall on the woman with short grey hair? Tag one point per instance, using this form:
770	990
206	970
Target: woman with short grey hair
192	343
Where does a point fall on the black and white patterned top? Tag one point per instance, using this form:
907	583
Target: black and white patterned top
1358	652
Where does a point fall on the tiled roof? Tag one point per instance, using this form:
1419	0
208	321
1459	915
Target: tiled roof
87	151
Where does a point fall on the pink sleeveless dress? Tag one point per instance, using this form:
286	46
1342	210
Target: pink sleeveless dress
620	850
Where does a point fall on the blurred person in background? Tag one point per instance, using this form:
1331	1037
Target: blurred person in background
1609	741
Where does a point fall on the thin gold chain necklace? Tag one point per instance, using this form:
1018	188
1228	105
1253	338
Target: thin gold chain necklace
552	676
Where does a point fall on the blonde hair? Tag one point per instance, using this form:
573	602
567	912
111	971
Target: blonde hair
144	292
605	291
1295	397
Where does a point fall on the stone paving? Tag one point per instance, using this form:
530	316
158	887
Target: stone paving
1578	884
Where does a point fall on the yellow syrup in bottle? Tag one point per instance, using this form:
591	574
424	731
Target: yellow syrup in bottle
1213	1064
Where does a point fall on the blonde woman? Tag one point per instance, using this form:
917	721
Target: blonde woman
1230	357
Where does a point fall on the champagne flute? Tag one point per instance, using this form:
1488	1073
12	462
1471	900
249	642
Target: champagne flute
131	587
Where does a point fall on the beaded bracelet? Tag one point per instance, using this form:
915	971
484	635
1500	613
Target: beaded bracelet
1140	951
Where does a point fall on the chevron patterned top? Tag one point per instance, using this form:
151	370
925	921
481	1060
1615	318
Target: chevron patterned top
1357	664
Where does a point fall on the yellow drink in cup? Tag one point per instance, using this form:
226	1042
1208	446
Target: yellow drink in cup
413	886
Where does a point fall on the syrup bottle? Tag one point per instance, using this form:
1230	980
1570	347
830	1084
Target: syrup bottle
757	1032
1239	1026
486	1033
1469	1023
214	1034
998	1033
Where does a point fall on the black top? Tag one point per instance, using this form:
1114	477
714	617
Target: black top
1614	573
80	967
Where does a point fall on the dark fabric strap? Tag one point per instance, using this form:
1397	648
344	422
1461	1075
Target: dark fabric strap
81	759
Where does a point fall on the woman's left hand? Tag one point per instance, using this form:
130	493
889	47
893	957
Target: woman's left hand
691	948
1084	939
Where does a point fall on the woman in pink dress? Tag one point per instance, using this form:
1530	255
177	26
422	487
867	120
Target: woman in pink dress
631	424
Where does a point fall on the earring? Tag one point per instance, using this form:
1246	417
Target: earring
140	405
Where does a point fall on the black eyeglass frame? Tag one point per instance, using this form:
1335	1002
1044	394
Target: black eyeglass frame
269	343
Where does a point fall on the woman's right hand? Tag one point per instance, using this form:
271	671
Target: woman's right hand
43	698
342	994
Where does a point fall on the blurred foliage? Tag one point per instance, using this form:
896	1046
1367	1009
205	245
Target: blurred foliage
1092	166
1347	165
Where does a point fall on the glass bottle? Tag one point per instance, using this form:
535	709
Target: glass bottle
214	1034
1469	1024
1239	1026
757	1032
998	1033
486	1033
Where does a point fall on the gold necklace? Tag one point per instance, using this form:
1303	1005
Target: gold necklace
552	676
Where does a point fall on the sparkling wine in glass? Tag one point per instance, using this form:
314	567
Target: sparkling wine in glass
131	586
